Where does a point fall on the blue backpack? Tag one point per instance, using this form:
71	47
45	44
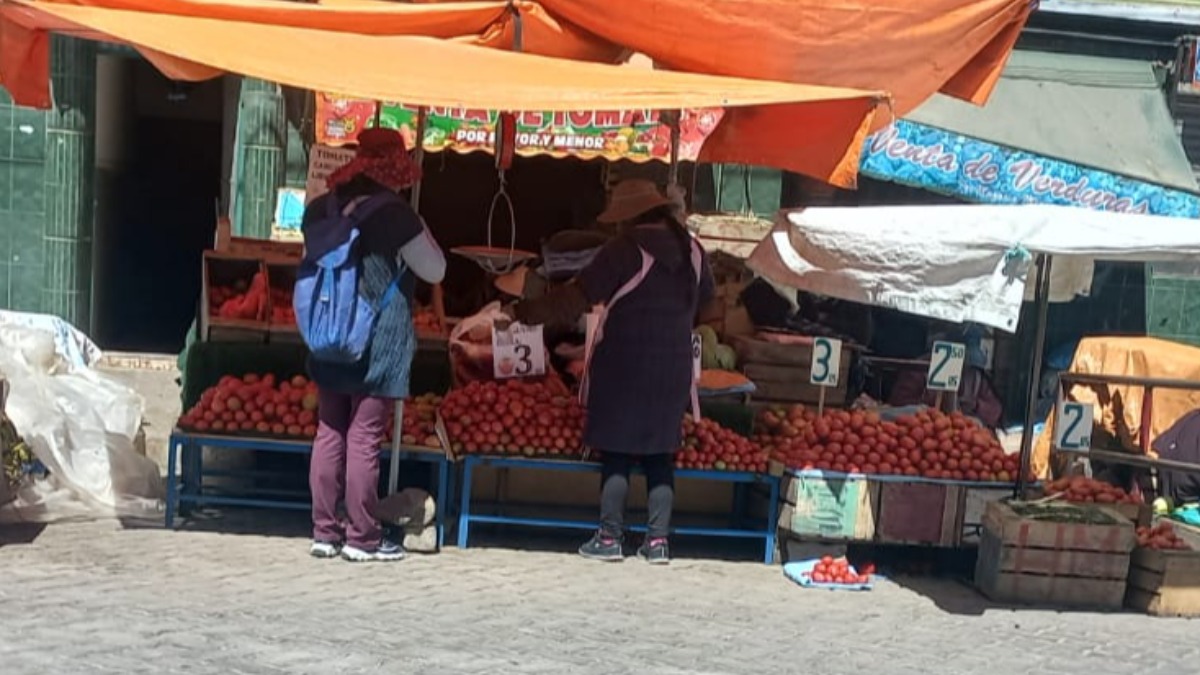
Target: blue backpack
335	321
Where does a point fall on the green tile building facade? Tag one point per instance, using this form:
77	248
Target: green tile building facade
1173	302
46	171
47	183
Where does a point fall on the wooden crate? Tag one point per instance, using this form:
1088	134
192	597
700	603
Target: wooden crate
1055	563
225	270
282	279
829	508
923	514
975	501
1164	583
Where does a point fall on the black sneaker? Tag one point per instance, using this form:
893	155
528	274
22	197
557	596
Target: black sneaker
655	551
602	547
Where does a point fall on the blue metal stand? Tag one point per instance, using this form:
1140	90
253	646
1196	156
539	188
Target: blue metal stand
185	458
766	533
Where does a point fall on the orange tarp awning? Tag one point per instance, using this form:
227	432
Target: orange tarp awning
813	130
908	47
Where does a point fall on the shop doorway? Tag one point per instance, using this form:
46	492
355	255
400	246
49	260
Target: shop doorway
159	150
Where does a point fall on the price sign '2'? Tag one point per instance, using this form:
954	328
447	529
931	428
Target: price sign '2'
946	366
1073	426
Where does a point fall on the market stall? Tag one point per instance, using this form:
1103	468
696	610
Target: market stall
927	261
322	48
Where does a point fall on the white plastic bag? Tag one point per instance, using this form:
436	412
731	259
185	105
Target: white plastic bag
81	425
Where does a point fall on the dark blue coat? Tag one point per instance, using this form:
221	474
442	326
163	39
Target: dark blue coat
640	376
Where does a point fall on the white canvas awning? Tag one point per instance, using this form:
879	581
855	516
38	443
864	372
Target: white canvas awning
959	263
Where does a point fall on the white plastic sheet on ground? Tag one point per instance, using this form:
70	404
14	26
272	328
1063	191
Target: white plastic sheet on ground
79	423
959	263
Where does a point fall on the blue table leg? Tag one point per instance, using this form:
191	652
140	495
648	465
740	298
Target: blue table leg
464	503
443	480
172	486
199	470
738	512
772	520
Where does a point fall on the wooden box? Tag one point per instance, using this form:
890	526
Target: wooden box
974	504
923	514
1064	556
220	272
828	508
281	318
1164	583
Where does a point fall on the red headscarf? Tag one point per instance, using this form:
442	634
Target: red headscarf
381	156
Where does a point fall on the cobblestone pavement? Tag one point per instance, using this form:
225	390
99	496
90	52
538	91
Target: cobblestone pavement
105	598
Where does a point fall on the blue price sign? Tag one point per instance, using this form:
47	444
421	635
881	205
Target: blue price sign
1073	426
946	366
826	362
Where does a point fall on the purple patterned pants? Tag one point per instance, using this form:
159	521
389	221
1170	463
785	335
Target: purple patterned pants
345	465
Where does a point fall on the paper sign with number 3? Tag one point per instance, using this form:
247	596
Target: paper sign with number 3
518	351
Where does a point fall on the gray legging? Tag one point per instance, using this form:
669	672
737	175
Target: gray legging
614	488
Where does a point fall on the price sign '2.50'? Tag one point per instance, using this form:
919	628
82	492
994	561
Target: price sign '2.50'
946	366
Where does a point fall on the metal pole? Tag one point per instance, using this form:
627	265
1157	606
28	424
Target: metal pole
419	154
1042	299
398	412
673	170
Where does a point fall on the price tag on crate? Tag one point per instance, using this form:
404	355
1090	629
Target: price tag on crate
946	366
826	362
697	349
1073	426
518	351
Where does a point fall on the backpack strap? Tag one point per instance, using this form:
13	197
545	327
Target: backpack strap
389	294
360	209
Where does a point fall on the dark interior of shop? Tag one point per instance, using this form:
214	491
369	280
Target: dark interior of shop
159	176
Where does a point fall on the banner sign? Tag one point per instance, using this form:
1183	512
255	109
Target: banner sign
944	162
635	135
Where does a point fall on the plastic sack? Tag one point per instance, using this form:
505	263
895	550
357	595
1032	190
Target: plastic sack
81	425
470	345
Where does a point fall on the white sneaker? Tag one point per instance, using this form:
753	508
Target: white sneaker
324	549
387	551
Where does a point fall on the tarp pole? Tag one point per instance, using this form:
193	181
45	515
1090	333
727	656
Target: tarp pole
398	412
673	170
1042	300
419	154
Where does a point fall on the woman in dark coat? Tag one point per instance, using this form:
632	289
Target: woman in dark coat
652	278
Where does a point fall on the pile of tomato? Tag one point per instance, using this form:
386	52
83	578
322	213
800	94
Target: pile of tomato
929	443
1084	490
1161	537
830	570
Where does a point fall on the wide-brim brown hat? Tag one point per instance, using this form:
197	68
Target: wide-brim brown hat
630	199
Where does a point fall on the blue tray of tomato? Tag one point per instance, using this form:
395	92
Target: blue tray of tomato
832	573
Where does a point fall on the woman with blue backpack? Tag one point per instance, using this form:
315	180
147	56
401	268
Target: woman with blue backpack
364	247
651	280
